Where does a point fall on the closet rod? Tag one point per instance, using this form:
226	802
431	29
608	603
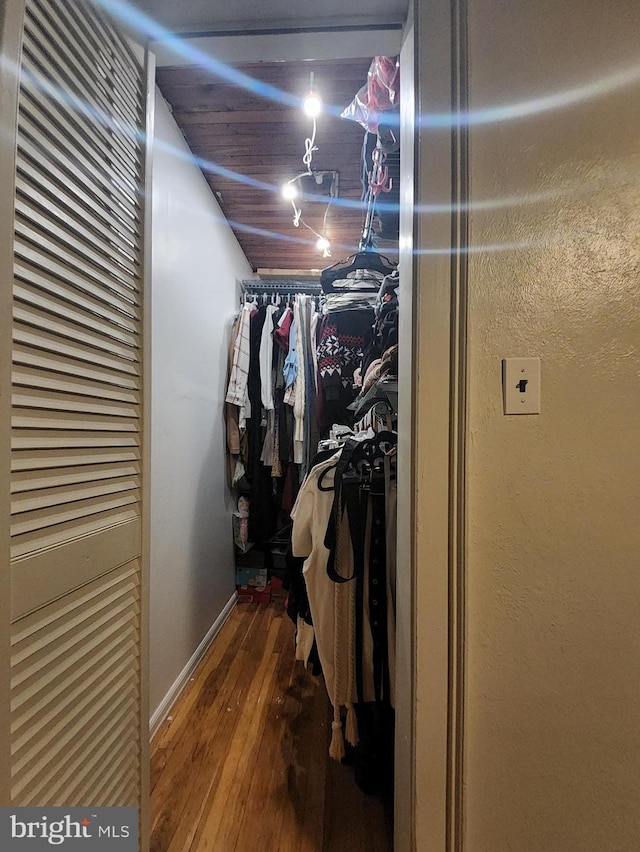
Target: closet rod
256	287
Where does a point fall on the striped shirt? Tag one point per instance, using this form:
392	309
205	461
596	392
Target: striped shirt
237	390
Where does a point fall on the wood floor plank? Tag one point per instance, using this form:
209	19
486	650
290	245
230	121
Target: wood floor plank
180	712
208	680
288	784
244	767
203	774
198	757
211	671
231	797
343	814
270	783
313	756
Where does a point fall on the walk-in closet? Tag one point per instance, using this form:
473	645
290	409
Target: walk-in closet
280	730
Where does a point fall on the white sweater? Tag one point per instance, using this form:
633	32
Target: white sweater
332	604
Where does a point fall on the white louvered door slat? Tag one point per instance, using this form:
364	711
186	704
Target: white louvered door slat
58	364
32	204
45	460
68	647
74	237
24	377
35	145
78	53
32	398
86	41
32	338
107	290
76	407
31	480
62	63
60	201
40	314
75	197
34	235
67	118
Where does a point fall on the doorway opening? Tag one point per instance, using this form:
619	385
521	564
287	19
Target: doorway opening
235	132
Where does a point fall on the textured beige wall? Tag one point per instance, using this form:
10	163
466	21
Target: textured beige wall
553	697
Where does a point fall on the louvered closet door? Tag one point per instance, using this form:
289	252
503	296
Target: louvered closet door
76	412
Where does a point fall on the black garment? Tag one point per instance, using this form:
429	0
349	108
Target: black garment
359	511
372	353
373	758
287	425
298	602
386	324
376	578
263	508
388	327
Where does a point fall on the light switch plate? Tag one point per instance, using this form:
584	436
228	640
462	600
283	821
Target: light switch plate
521	385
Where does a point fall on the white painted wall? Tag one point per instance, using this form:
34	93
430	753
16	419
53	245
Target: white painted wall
196	266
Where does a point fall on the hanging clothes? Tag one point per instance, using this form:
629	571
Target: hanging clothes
273	383
332	605
263	507
299	398
232	411
311	433
266	359
281	334
345	529
238	380
290	370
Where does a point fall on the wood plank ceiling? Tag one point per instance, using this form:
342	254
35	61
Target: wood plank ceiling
263	140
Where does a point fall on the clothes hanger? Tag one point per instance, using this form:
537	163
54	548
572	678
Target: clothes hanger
370	261
364	460
367	464
379	179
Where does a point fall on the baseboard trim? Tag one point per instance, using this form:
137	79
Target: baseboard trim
183	678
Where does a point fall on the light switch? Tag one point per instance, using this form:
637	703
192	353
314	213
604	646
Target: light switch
521	385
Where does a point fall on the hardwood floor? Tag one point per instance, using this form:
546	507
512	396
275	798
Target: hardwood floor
243	765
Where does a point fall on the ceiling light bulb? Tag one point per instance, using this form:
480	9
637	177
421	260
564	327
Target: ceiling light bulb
312	105
289	191
323	244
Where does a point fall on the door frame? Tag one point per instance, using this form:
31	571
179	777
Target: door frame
145	548
433	432
11	25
